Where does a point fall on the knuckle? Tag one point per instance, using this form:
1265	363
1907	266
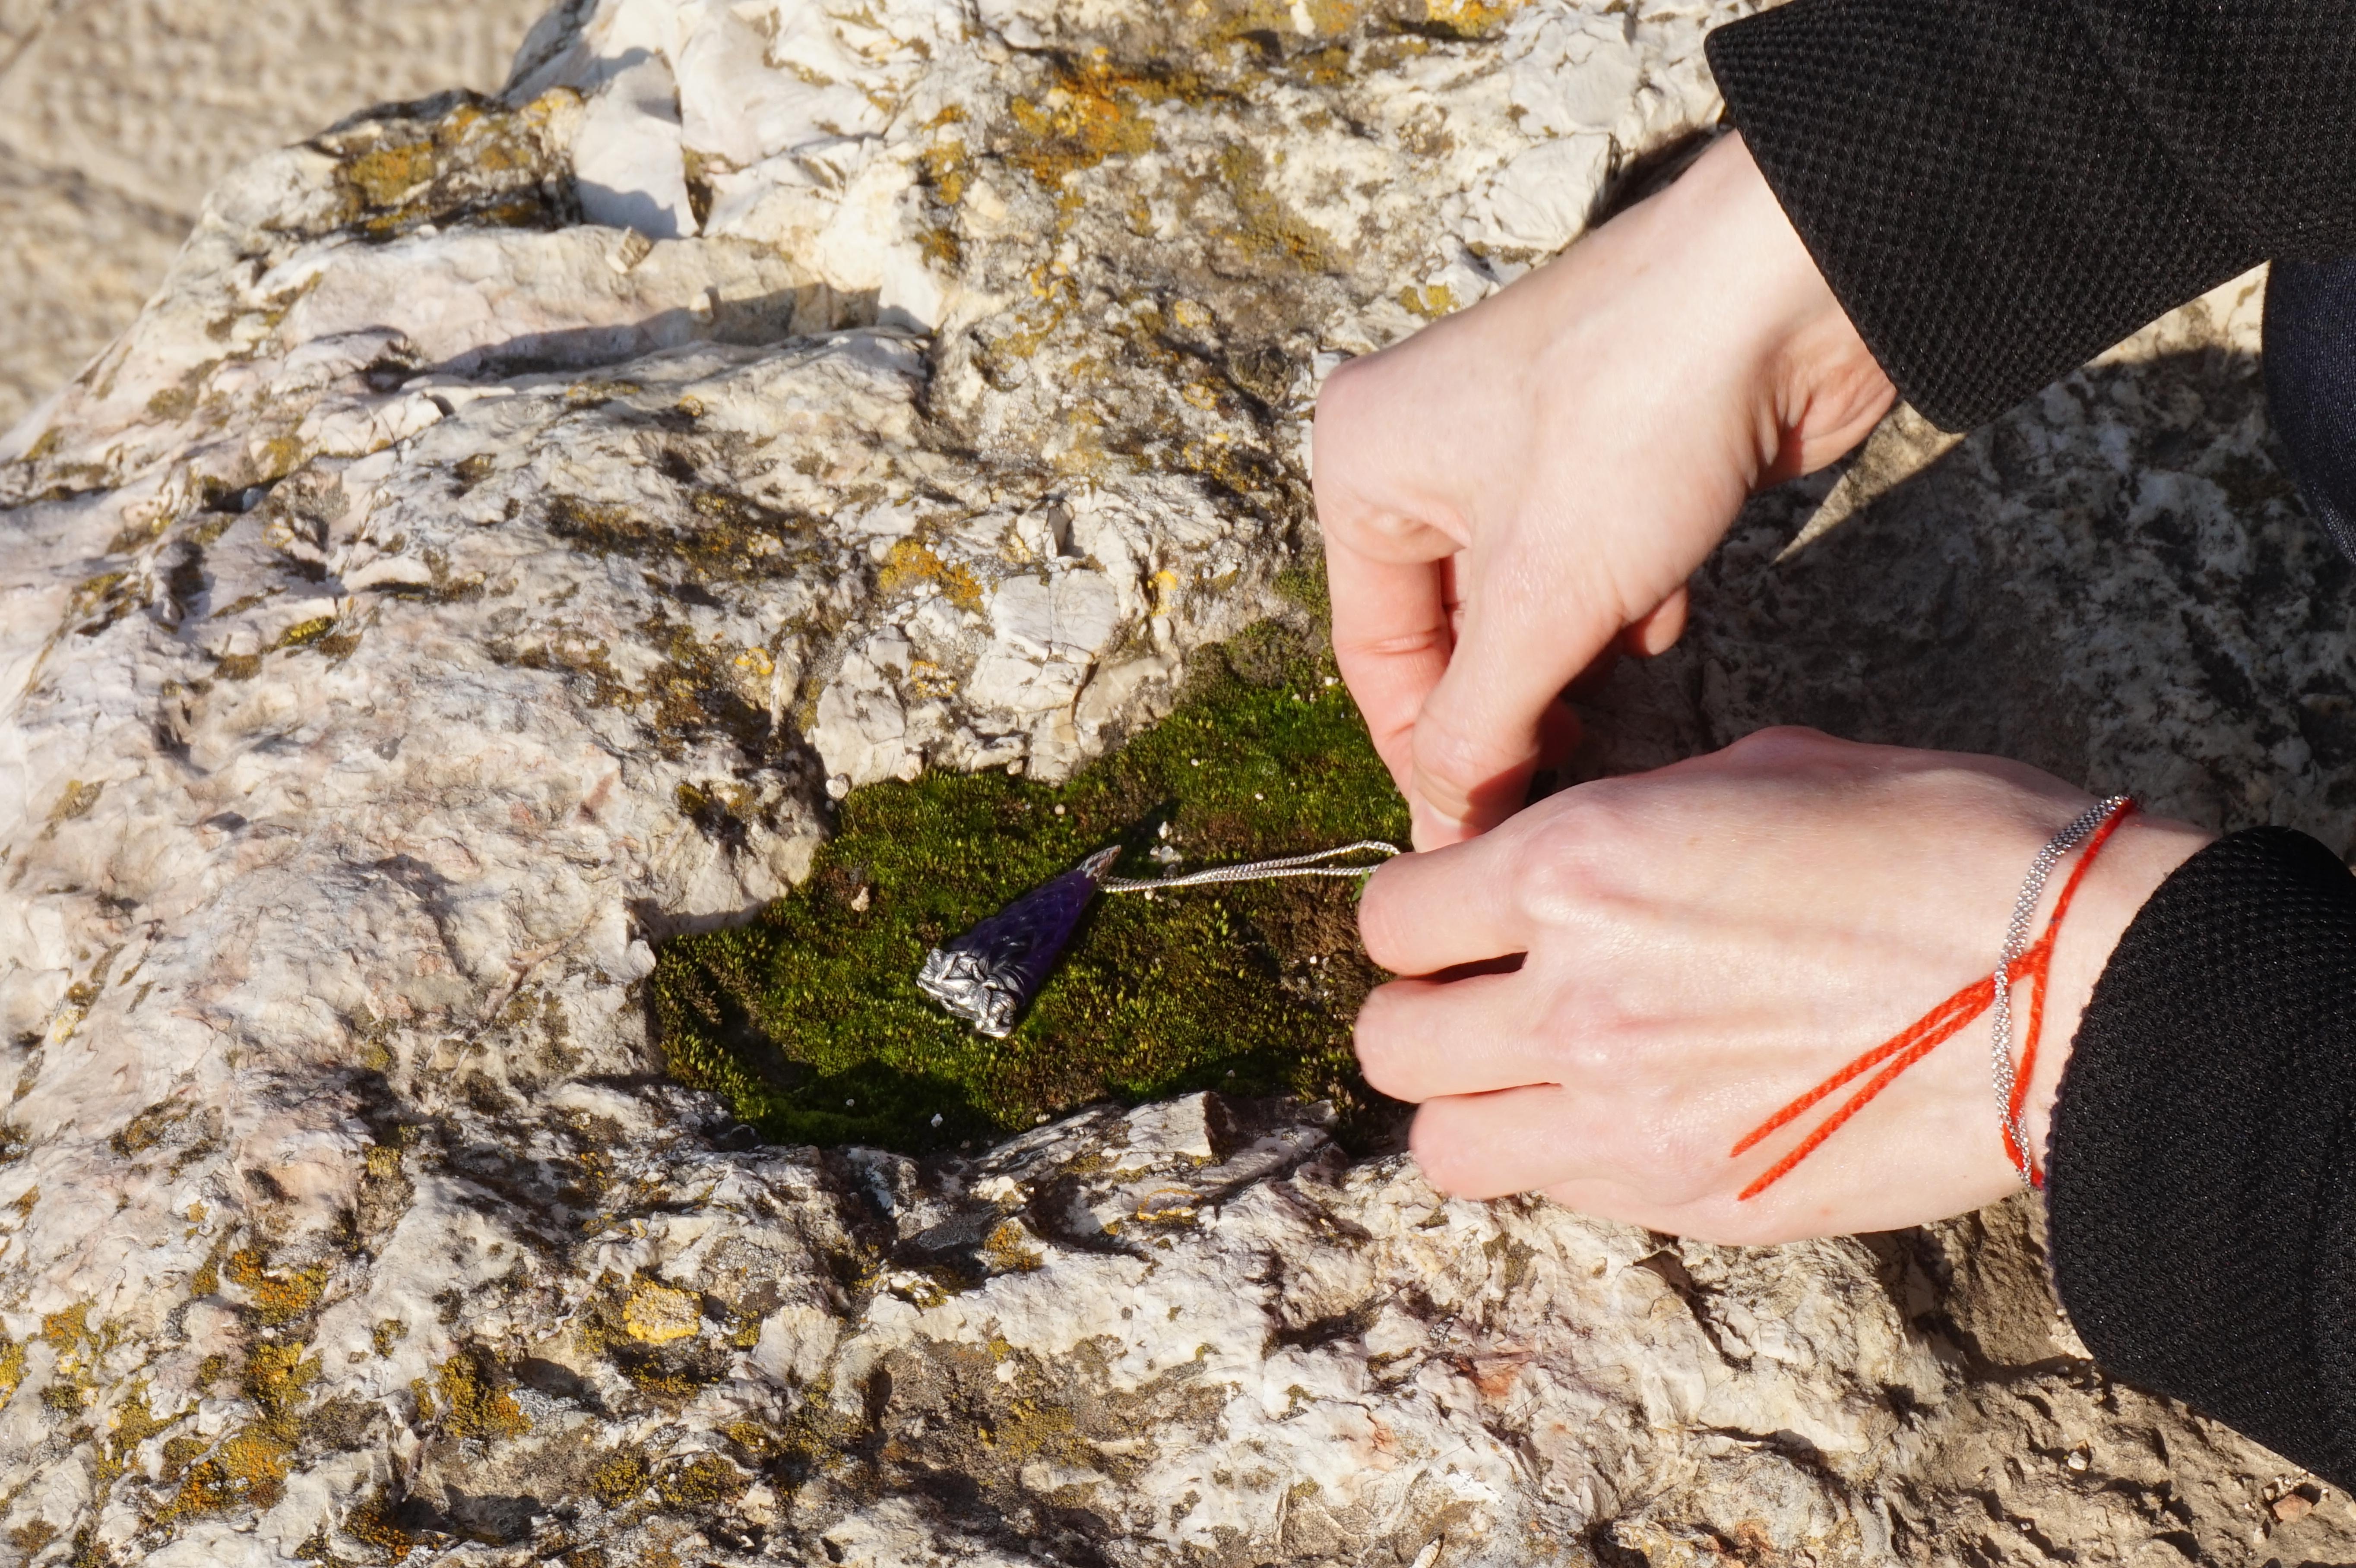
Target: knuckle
1452	762
1563	869
1782	743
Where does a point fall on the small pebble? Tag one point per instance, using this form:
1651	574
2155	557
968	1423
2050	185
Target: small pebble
847	1104
937	1118
1164	833
1256	796
2292	1505
1059	811
1040	1120
2075	1463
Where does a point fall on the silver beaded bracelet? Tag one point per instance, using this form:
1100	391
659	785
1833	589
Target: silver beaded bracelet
2015	942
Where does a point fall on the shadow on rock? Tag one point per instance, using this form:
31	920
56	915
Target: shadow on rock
2116	583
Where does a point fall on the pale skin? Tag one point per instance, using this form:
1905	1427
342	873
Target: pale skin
1513	496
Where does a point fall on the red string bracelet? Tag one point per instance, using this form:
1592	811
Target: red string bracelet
2031	966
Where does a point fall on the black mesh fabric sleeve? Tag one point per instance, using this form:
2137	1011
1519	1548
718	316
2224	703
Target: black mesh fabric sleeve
2000	189
2202	1179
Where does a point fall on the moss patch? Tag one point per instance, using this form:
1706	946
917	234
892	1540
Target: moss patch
809	1019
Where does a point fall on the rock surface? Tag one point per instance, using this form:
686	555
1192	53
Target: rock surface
515	520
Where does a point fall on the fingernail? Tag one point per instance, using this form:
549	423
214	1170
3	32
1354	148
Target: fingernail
1433	830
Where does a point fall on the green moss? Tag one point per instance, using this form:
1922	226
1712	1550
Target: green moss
809	1019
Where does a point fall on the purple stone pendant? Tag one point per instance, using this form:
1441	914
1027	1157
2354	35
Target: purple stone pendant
988	974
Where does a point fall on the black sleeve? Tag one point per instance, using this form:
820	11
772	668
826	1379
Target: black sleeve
2000	189
2202	1174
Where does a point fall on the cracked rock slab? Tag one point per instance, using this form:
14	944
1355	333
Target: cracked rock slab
516	519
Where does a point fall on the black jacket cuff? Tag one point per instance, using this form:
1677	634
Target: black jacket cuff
2200	1183
1974	183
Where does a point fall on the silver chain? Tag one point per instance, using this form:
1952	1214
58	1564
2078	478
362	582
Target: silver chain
1258	871
2015	942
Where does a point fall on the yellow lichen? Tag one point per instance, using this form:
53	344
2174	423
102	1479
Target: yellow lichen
372	1524
278	1297
149	1127
276	1376
1431	302
1007	1250
1271	229
1469	18
389	174
205	1281
32	1535
303	633
66	1327
911	562
619	1479
704	1481
658	1313
1093	112
249	1468
473	1404
172	403
77	800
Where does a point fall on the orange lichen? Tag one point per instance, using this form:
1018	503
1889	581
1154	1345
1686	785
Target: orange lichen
1093	112
277	1297
911	562
473	1406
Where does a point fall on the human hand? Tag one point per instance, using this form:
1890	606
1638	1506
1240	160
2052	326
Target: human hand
1703	943
1510	493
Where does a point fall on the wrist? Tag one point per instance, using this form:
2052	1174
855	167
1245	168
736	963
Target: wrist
1817	387
2143	854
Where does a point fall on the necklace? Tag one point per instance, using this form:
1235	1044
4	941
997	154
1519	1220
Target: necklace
988	974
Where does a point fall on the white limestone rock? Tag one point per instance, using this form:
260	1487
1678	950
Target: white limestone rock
437	596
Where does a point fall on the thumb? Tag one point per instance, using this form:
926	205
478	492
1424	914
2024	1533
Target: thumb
1479	736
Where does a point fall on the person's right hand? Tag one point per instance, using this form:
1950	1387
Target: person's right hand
1511	492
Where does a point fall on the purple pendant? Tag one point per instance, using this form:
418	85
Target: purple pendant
988	974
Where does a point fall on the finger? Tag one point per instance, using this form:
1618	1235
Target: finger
1491	1146
1391	639
1423	914
1476	739
1422	1040
1656	633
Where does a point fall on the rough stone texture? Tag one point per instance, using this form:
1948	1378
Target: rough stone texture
2116	583
117	116
437	594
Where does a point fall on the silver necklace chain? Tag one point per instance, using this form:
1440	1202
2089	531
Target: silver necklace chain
2015	942
1261	870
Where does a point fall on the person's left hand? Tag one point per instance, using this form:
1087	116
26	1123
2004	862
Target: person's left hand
1703	943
